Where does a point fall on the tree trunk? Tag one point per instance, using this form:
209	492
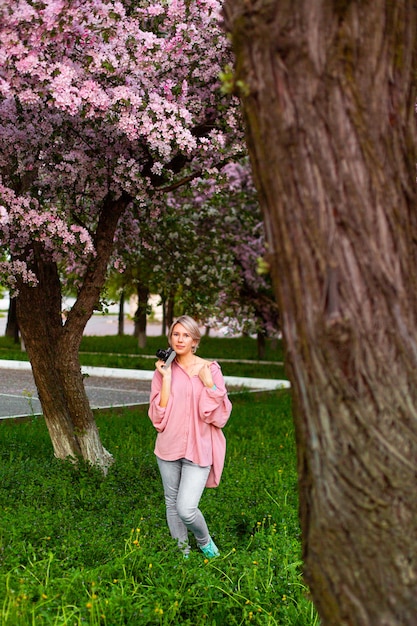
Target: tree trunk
12	327
141	314
53	346
164	315
121	318
57	372
170	311
261	344
328	98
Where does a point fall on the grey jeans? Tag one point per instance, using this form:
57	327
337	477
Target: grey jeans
184	483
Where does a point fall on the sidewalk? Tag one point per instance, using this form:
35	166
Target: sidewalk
106	387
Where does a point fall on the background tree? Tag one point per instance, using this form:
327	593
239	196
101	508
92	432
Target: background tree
247	303
101	104
12	328
328	92
202	254
172	255
119	289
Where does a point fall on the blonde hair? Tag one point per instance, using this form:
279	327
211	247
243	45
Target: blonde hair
189	324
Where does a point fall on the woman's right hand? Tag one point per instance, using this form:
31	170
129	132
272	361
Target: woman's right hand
166	382
164	371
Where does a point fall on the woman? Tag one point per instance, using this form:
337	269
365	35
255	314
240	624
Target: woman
188	407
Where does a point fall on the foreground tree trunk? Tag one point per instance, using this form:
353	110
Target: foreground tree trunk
328	97
53	345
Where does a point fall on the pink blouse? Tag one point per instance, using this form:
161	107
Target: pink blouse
190	425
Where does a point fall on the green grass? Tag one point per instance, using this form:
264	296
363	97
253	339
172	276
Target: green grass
211	347
237	356
77	548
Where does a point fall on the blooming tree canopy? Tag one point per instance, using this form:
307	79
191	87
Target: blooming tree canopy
101	98
104	107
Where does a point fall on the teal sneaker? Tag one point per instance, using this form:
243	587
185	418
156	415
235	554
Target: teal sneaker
210	550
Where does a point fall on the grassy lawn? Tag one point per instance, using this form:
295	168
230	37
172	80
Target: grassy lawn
77	548
237	356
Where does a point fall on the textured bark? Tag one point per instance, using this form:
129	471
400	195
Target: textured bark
328	96
53	345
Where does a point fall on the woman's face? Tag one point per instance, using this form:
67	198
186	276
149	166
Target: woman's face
181	340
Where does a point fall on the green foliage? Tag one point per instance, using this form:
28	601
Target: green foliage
231	85
77	548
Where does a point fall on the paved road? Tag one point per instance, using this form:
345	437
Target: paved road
18	394
105	387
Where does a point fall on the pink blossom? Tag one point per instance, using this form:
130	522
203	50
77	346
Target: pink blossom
96	102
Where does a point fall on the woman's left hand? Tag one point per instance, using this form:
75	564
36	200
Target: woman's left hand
205	375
